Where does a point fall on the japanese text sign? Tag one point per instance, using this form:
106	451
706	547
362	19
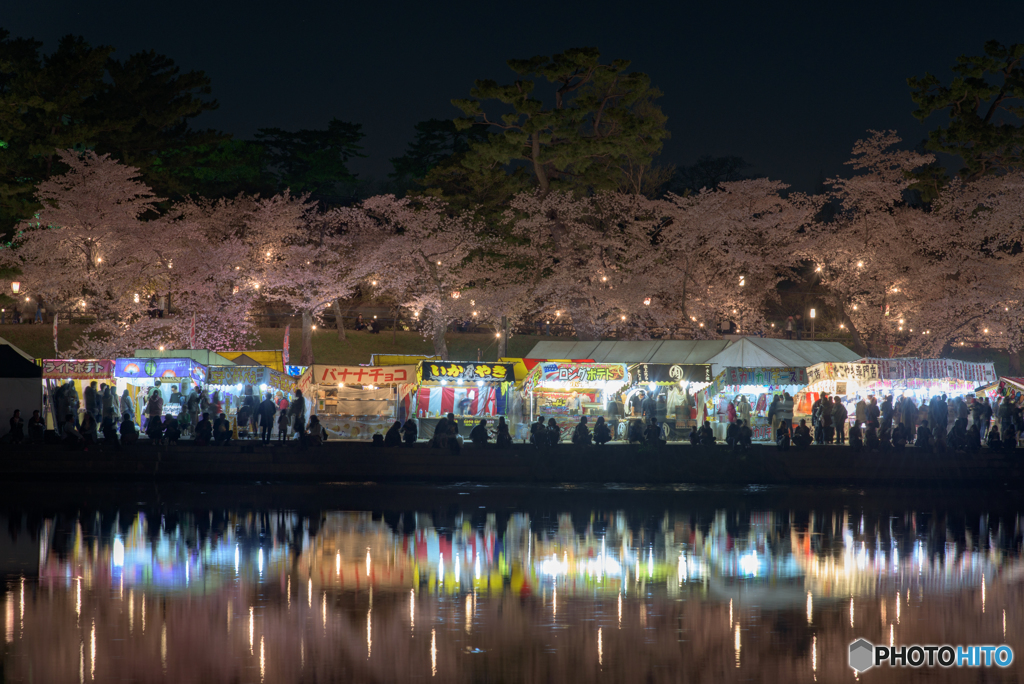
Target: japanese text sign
86	369
435	371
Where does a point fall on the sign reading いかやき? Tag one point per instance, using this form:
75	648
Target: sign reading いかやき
435	371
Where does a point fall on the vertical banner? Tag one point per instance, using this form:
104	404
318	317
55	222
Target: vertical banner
55	317
192	333
284	354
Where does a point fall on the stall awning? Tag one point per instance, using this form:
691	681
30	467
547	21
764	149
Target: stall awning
758	352
647	351
272	358
78	369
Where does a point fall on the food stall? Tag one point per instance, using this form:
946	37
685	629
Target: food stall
672	385
470	390
140	375
567	390
750	391
234	383
354	402
923	378
79	372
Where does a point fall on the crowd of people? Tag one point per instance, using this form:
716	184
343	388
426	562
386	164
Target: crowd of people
963	423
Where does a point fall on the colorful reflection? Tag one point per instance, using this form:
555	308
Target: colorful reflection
275	596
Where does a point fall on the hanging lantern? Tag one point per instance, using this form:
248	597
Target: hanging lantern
16	287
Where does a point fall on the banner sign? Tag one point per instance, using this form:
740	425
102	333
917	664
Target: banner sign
159	368
579	374
89	369
858	372
363	375
250	375
763	377
669	373
934	369
435	371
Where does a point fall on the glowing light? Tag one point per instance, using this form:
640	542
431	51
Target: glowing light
263	662
136	297
810	609
620	610
310	587
260	561
647	301
986	331
860	264
433	653
604	279
118	553
367	562
373	282
16	287
469	613
736	643
456	294
252	628
623	318
600	651
369	632
412	609
337	563
851	611
236	559
813	313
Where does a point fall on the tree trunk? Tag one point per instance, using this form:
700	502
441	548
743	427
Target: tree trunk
307	339
859	345
538	167
503	340
440	344
339	320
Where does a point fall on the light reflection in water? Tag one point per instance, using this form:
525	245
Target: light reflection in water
763	572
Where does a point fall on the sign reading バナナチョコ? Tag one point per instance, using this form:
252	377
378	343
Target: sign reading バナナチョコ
363	375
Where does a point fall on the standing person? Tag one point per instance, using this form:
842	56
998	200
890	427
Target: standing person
175	395
504	438
986	416
96	408
839	416
17	428
538	436
297	413
282	426
602	434
109	400
129	435
873	412
799	334
636	403
89	396
826	419
860	412
440	433
615	413
743	409
154	409
393	437
267	409
649	407
773	418
785	414
887	413
789	327
554	433
909	411
127	405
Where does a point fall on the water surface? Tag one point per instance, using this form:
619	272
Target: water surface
360	583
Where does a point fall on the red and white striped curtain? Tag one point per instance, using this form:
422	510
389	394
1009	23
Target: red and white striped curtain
431	401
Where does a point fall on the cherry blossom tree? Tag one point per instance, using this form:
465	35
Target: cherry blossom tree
312	269
588	257
723	252
90	249
423	258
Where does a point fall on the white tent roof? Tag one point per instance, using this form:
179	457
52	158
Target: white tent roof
644	351
744	352
753	352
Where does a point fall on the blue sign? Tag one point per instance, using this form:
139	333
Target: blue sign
160	368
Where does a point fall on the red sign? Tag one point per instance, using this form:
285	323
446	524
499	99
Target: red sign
363	375
90	369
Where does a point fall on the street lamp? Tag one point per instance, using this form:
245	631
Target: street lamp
813	313
16	287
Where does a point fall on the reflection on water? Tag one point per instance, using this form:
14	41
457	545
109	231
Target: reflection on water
280	596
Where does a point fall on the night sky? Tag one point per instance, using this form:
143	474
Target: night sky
787	87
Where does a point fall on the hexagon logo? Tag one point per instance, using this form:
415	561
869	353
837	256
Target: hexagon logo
862	655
